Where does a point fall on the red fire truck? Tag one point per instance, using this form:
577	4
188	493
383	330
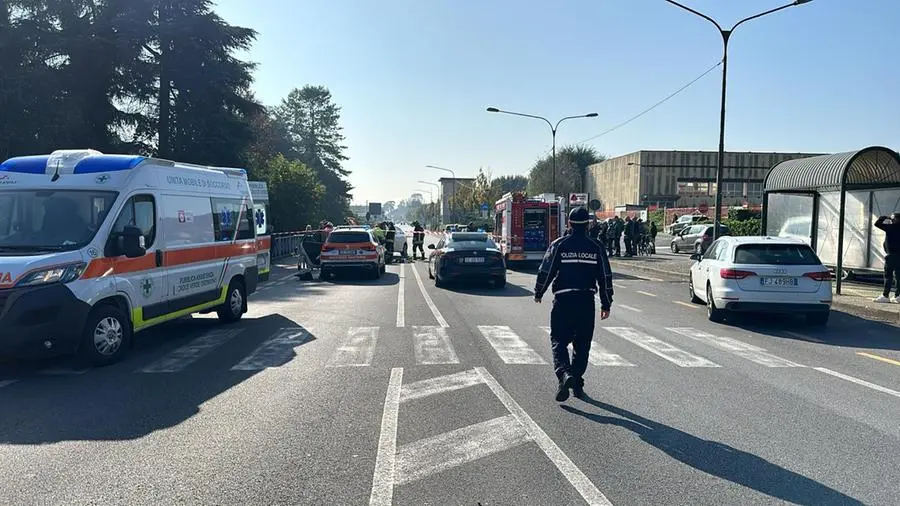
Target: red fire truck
525	226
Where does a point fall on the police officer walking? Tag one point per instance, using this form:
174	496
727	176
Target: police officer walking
578	268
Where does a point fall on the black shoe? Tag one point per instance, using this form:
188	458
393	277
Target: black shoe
578	392
562	393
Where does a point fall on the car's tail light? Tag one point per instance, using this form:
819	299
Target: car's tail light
367	247
735	274
819	276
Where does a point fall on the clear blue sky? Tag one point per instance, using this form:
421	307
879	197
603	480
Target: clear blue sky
414	77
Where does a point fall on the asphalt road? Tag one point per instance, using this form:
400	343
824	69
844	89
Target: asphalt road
392	391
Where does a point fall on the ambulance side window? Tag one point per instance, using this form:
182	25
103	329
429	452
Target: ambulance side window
231	213
140	212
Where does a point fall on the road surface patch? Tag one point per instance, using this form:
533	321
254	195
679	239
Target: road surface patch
858	381
357	348
401	309
275	351
8	382
182	357
434	310
511	348
661	349
739	348
432	346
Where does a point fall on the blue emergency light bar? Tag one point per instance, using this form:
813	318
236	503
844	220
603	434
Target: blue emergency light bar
89	164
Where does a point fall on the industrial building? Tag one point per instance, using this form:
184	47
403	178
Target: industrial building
683	179
450	186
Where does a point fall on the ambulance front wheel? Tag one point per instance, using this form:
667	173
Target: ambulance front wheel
107	335
235	302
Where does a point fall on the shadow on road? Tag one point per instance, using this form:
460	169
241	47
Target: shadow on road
721	460
114	403
359	279
487	290
843	329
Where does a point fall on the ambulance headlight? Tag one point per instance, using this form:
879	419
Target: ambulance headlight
58	274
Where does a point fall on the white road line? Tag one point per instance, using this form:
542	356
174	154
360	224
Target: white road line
659	348
600	356
858	381
432	346
274	352
739	348
432	386
511	348
62	371
383	478
432	455
401	310
687	305
357	348
6	383
434	310
569	470
186	355
623	306
648	294
618	285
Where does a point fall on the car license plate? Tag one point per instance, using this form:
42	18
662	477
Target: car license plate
778	281
474	260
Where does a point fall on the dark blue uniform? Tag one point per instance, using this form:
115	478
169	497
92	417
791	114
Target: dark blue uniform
578	268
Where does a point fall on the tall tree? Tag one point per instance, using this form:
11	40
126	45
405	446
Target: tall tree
507	184
312	120
295	193
571	164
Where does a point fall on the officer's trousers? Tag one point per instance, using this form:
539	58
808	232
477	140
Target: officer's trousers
572	321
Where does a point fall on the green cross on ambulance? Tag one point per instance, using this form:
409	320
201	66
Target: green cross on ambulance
96	247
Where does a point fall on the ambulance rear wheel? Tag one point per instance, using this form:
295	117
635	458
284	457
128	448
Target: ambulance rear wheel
106	337
235	302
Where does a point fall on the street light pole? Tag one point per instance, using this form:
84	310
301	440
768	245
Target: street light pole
432	199
726	36
453	192
553	129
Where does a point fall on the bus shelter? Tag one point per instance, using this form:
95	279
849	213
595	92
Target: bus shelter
831	202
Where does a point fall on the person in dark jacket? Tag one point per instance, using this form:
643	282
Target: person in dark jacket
891	229
418	239
578	268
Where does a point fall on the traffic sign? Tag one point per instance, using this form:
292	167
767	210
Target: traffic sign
485	206
703	207
594	205
578	199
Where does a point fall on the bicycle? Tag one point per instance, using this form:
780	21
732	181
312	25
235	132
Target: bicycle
646	246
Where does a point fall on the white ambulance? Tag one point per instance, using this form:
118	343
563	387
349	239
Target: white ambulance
95	247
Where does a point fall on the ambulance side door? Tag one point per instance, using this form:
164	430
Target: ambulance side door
142	279
192	258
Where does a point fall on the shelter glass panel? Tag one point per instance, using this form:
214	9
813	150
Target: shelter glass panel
884	202
790	215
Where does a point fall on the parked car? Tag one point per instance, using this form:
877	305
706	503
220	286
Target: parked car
352	249
697	238
761	274
684	222
466	255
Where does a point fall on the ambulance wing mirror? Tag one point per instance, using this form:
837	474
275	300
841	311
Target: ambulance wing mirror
133	242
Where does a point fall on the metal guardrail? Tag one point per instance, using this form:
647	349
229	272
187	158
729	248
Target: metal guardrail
285	244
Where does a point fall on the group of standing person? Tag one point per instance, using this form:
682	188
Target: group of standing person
611	232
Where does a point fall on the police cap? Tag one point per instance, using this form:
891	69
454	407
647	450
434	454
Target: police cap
579	216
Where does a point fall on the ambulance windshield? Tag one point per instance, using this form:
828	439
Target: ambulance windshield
36	220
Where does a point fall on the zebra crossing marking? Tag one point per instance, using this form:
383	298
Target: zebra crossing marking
432	346
739	348
432	386
511	348
357	348
602	357
275	351
660	348
178	359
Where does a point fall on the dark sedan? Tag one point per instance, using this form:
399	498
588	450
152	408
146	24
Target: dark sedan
466	256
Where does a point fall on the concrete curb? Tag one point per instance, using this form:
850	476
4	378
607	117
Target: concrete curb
891	313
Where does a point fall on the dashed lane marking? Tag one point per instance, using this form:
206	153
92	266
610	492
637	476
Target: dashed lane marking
623	306
685	304
648	294
619	285
858	381
878	357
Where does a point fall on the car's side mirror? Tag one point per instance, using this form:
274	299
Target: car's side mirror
431	246
133	242
697	257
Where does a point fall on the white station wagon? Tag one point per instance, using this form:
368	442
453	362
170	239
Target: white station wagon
761	274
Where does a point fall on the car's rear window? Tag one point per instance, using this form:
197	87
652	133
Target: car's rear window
776	254
341	236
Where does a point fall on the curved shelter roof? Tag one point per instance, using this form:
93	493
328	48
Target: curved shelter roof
871	167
